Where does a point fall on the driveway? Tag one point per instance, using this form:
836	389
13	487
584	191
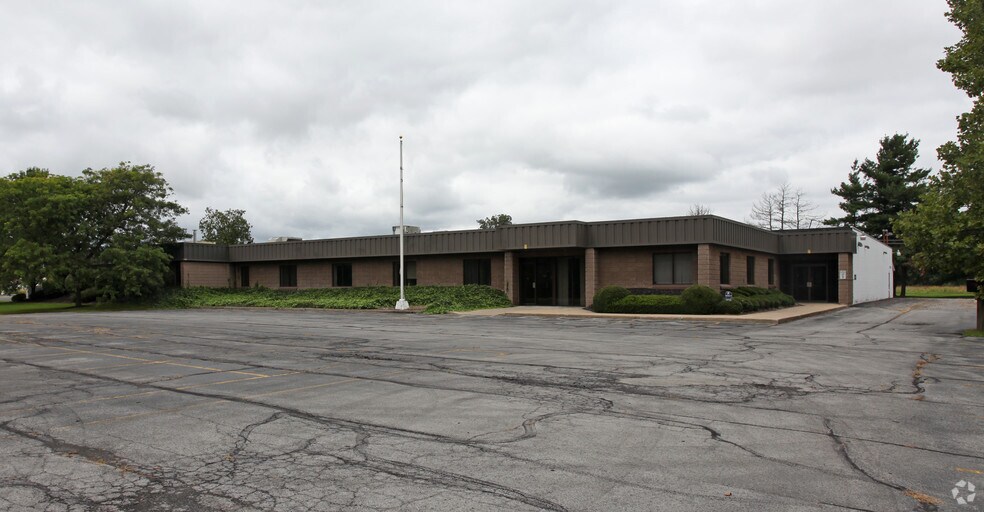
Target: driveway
876	407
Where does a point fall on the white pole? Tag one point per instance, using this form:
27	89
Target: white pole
402	303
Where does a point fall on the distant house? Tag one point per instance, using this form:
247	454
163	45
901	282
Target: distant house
564	263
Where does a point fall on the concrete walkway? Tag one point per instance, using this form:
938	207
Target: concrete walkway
772	317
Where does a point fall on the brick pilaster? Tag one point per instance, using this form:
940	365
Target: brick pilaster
845	287
590	275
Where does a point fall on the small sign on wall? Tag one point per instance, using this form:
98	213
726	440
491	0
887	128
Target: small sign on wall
842	274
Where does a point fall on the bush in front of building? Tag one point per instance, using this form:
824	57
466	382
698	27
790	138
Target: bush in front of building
701	300
648	304
18	297
435	299
747	299
607	296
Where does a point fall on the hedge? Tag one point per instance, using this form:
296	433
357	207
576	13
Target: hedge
437	299
648	304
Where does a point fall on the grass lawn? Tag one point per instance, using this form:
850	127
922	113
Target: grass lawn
974	333
936	292
15	308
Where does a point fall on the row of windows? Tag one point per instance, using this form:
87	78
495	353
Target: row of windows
678	268
749	269
668	268
476	271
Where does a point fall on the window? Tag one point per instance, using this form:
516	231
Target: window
725	268
288	275
772	271
478	271
244	277
673	268
410	273
341	274
750	270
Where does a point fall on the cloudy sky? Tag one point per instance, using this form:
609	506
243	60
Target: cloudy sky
545	110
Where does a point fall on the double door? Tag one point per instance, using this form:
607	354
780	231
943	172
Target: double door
811	283
550	281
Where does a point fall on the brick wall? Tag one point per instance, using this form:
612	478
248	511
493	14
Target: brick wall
510	269
633	267
739	272
590	275
213	275
372	272
845	287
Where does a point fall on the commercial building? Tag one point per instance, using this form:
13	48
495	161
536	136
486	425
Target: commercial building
564	263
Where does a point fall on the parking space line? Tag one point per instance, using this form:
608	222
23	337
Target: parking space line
183	365
125	417
112	367
326	384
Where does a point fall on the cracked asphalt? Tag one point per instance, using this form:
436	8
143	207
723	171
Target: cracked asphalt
877	407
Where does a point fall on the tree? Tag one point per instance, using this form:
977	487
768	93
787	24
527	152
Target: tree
876	192
946	230
32	219
494	221
102	231
698	209
784	208
229	227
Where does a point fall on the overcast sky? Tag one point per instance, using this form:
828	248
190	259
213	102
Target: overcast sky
545	110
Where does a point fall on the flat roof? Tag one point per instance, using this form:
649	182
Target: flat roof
573	234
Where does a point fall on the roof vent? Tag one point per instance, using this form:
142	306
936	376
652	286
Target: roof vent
407	230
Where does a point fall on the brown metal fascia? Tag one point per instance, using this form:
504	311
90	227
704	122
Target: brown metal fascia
818	241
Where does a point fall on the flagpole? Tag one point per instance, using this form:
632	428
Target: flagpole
402	303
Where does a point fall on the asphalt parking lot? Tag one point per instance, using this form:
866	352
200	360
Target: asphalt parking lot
871	408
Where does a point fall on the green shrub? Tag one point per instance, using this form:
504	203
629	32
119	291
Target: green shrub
18	297
749	298
734	307
701	300
648	304
607	296
435	299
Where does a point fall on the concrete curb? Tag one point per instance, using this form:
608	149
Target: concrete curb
774	317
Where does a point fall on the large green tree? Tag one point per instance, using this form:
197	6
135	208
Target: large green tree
877	192
228	227
103	230
33	216
946	230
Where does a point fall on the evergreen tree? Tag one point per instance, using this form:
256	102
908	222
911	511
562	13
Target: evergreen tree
876	192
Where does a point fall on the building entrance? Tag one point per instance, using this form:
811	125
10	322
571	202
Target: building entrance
810	283
550	281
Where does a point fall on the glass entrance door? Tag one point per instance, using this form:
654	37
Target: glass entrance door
538	277
810	282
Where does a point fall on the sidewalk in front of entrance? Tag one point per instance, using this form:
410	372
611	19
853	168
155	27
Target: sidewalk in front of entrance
773	317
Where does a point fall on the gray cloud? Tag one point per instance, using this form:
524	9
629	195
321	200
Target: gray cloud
545	110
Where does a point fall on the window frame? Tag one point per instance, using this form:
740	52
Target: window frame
244	276
724	260
772	272
407	281
288	275
483	271
750	269
336	275
691	279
